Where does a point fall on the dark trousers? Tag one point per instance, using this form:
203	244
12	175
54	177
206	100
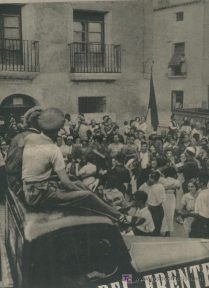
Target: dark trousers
48	195
157	213
138	232
200	228
3	183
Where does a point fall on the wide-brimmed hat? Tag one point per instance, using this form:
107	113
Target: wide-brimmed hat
51	119
31	114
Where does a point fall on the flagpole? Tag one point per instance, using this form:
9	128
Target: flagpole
150	76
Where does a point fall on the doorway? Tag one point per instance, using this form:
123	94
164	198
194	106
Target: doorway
15	106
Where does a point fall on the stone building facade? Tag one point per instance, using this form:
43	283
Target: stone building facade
181	55
83	57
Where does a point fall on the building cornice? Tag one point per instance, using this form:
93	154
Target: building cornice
168	5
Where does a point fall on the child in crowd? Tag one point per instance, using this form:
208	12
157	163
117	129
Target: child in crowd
139	209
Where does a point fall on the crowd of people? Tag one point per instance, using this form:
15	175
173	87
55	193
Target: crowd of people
156	177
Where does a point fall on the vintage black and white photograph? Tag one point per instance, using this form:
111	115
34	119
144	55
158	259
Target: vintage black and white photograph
104	144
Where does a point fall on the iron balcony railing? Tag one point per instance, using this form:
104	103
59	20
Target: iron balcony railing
19	55
95	58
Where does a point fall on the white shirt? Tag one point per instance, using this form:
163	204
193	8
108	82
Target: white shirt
40	156
92	129
144	159
83	131
66	150
137	142
173	125
115	148
148	226
2	161
126	129
143	127
156	193
67	127
87	171
136	125
188	202
202	203
186	129
170	183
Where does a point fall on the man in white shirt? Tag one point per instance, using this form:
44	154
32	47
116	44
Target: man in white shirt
144	160
140	209
65	149
82	127
173	127
200	226
115	147
202	203
143	125
41	156
15	151
156	197
69	143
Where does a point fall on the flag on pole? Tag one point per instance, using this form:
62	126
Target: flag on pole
153	105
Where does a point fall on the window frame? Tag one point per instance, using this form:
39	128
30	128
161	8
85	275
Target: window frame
174	98
10	48
175	67
86	18
93	99
3	27
10	11
179	16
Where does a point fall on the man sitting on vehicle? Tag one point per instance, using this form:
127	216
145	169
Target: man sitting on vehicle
14	154
43	193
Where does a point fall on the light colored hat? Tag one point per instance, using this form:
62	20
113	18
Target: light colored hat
51	119
31	114
70	137
191	150
81	117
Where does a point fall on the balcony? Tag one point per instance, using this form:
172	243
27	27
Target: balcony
95	61
18	56
176	72
177	67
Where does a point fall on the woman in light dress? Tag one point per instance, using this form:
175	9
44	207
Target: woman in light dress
188	205
171	185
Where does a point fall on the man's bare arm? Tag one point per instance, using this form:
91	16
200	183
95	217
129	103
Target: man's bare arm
69	185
